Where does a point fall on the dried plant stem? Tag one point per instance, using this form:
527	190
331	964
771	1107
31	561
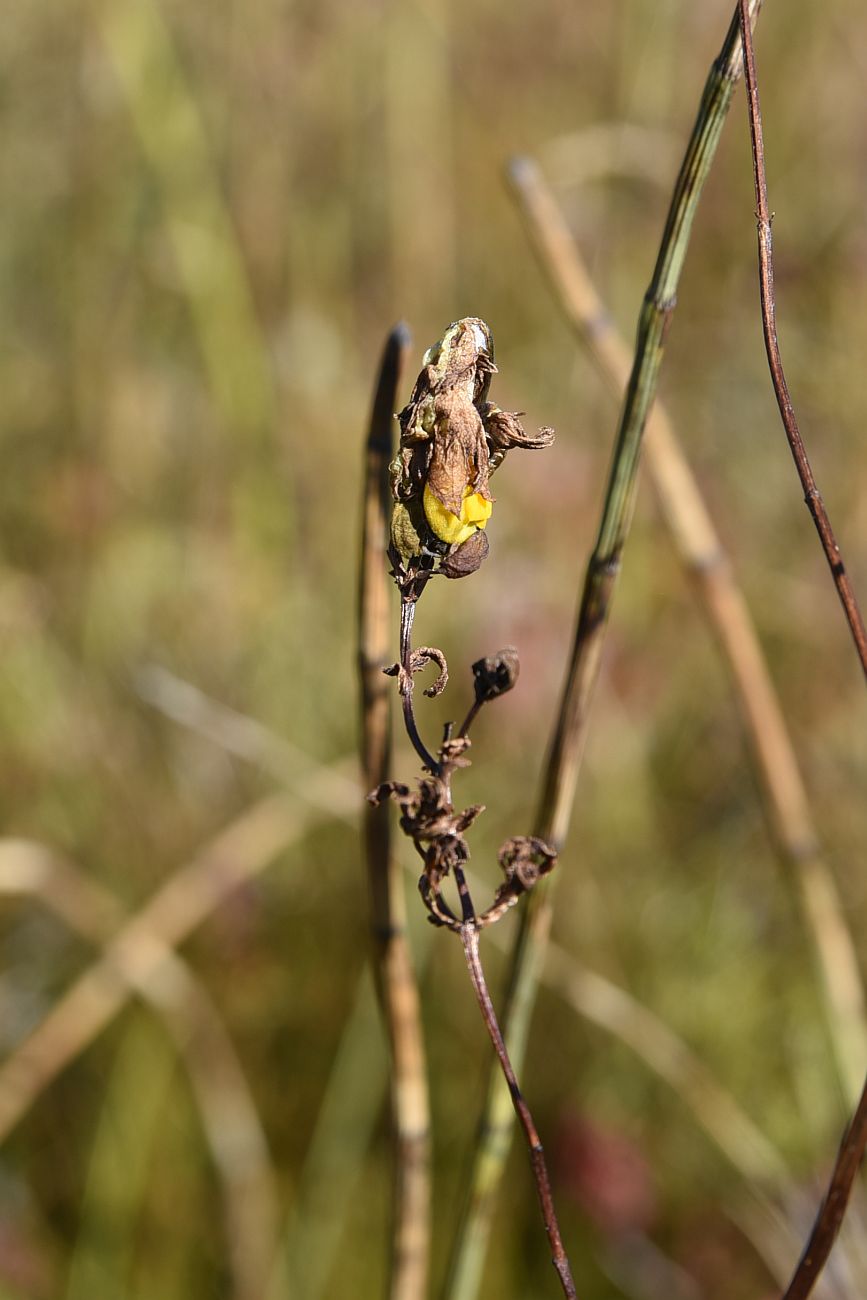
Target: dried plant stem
833	1208
229	1118
812	496
395	977
407	618
470	941
705	559
571	727
654	321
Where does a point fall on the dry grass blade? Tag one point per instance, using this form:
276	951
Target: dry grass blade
812	496
229	1118
137	957
396	983
716	1111
833	1209
564	759
704	557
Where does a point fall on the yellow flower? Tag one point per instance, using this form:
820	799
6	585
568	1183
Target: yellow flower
454	529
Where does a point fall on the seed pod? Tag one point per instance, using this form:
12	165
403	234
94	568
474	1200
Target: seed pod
495	675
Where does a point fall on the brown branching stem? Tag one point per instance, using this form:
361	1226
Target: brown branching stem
833	1208
452	440
437	830
470	940
812	496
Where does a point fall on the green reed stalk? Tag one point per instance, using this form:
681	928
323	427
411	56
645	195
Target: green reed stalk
570	730
703	555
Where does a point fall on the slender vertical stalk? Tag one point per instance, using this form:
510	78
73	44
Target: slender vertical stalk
571	726
812	496
833	1208
407	618
396	983
706	561
470	941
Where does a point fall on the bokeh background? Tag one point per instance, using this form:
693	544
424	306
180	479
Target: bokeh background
212	215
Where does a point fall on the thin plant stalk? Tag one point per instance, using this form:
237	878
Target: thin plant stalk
570	730
852	1148
470	941
812	496
703	555
395	977
833	1208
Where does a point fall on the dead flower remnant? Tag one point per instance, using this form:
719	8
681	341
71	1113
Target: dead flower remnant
451	441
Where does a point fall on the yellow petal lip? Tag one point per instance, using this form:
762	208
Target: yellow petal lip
455	529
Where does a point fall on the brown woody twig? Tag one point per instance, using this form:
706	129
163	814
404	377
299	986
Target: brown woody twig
812	496
470	941
833	1208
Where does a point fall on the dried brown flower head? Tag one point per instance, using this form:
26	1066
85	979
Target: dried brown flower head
451	441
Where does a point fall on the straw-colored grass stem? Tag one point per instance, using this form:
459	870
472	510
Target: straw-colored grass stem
395	977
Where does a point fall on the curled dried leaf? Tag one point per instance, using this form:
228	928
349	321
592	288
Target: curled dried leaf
429	654
388	790
505	431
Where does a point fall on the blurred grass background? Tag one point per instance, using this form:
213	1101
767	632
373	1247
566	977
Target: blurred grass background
212	215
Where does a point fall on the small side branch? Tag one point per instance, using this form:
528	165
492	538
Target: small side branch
812	496
833	1208
470	941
